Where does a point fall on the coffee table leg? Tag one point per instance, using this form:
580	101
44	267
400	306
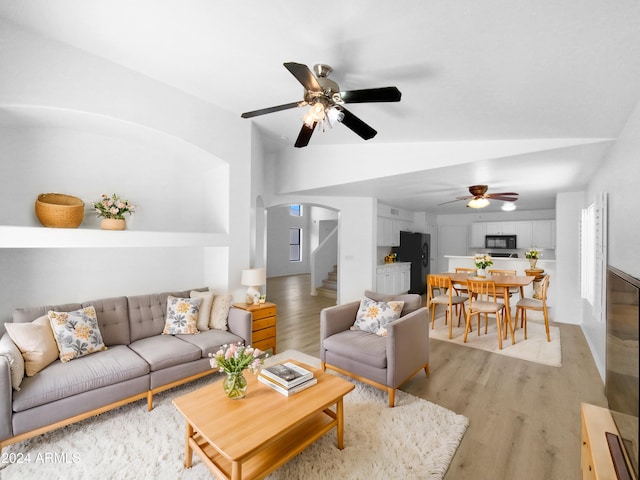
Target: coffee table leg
188	454
236	470
340	428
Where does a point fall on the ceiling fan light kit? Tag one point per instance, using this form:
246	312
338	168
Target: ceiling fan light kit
478	203
327	102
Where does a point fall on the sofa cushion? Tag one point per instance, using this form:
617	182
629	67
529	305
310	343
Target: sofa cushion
210	341
76	333
113	319
9	350
373	316
60	380
363	347
36	343
146	315
163	351
182	316
205	308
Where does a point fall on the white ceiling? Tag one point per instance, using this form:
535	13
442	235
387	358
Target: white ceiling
467	70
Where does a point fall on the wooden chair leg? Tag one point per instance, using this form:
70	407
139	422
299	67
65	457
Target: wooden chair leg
499	326
546	322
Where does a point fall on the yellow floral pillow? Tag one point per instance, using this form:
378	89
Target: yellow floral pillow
182	316
373	316
76	333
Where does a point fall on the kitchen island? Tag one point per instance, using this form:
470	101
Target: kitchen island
517	264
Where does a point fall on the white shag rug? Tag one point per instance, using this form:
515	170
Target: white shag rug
535	348
417	439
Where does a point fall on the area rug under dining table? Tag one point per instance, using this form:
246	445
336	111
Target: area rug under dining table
535	348
416	439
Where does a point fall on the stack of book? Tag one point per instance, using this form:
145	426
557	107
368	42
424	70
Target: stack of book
287	378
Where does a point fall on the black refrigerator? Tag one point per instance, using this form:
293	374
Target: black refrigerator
416	248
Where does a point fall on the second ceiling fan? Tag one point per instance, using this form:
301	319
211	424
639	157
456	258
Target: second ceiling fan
479	197
327	102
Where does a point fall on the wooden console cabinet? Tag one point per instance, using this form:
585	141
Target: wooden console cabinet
263	331
595	460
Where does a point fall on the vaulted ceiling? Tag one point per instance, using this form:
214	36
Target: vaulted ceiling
554	80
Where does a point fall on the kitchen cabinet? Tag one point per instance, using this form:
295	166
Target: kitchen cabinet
501	228
544	234
393	278
388	234
478	232
524	232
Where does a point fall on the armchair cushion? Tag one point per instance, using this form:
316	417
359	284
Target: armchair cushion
359	346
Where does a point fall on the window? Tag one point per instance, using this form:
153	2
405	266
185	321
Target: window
588	255
594	255
295	210
295	235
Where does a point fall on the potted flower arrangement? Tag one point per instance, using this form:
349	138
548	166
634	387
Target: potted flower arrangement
533	254
233	360
113	209
482	261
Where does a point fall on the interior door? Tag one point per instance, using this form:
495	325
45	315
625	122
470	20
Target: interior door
452	240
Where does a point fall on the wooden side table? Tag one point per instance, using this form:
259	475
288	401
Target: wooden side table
263	331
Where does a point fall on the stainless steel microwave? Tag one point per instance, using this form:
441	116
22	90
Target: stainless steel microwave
500	241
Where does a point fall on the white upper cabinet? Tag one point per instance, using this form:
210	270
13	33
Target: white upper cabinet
501	228
544	234
524	232
391	221
478	232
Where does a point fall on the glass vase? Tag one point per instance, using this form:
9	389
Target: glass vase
235	385
532	262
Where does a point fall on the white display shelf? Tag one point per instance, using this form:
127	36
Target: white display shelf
42	237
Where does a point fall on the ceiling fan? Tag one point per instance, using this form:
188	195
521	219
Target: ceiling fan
479	197
327	102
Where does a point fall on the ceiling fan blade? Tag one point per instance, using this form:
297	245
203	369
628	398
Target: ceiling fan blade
356	125
305	135
277	108
451	201
384	94
501	197
304	76
509	194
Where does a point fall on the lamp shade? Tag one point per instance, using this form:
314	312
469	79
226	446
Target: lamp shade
253	277
478	203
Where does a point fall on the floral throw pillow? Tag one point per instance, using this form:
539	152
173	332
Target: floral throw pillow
182	316
76	333
373	316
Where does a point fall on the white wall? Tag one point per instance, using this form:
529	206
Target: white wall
76	123
618	176
279	221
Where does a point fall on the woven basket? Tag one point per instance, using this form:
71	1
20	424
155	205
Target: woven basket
59	210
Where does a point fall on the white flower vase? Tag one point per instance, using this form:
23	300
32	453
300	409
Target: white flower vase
481	273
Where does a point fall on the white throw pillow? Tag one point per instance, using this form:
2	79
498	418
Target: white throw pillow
204	314
220	311
36	343
373	316
9	350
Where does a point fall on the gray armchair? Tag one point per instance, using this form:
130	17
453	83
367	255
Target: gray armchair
384	362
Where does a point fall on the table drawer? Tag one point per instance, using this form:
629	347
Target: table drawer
264	313
264	323
258	335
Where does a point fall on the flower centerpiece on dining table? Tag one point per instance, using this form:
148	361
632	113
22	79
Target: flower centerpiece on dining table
233	360
533	254
482	261
113	210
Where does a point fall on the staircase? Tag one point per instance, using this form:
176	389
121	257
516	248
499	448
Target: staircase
329	286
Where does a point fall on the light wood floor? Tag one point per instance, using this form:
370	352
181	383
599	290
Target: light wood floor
524	417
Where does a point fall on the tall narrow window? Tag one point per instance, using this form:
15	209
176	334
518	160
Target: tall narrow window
295	235
587	254
295	210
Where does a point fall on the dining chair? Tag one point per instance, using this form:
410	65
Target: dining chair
536	304
483	301
445	296
462	287
512	290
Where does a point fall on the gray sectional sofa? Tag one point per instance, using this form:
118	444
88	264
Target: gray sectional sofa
138	362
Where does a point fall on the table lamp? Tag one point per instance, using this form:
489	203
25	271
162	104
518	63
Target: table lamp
253	278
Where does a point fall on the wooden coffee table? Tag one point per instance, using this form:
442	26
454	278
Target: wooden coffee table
252	437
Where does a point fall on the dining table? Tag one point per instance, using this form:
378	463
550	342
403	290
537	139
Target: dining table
502	281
